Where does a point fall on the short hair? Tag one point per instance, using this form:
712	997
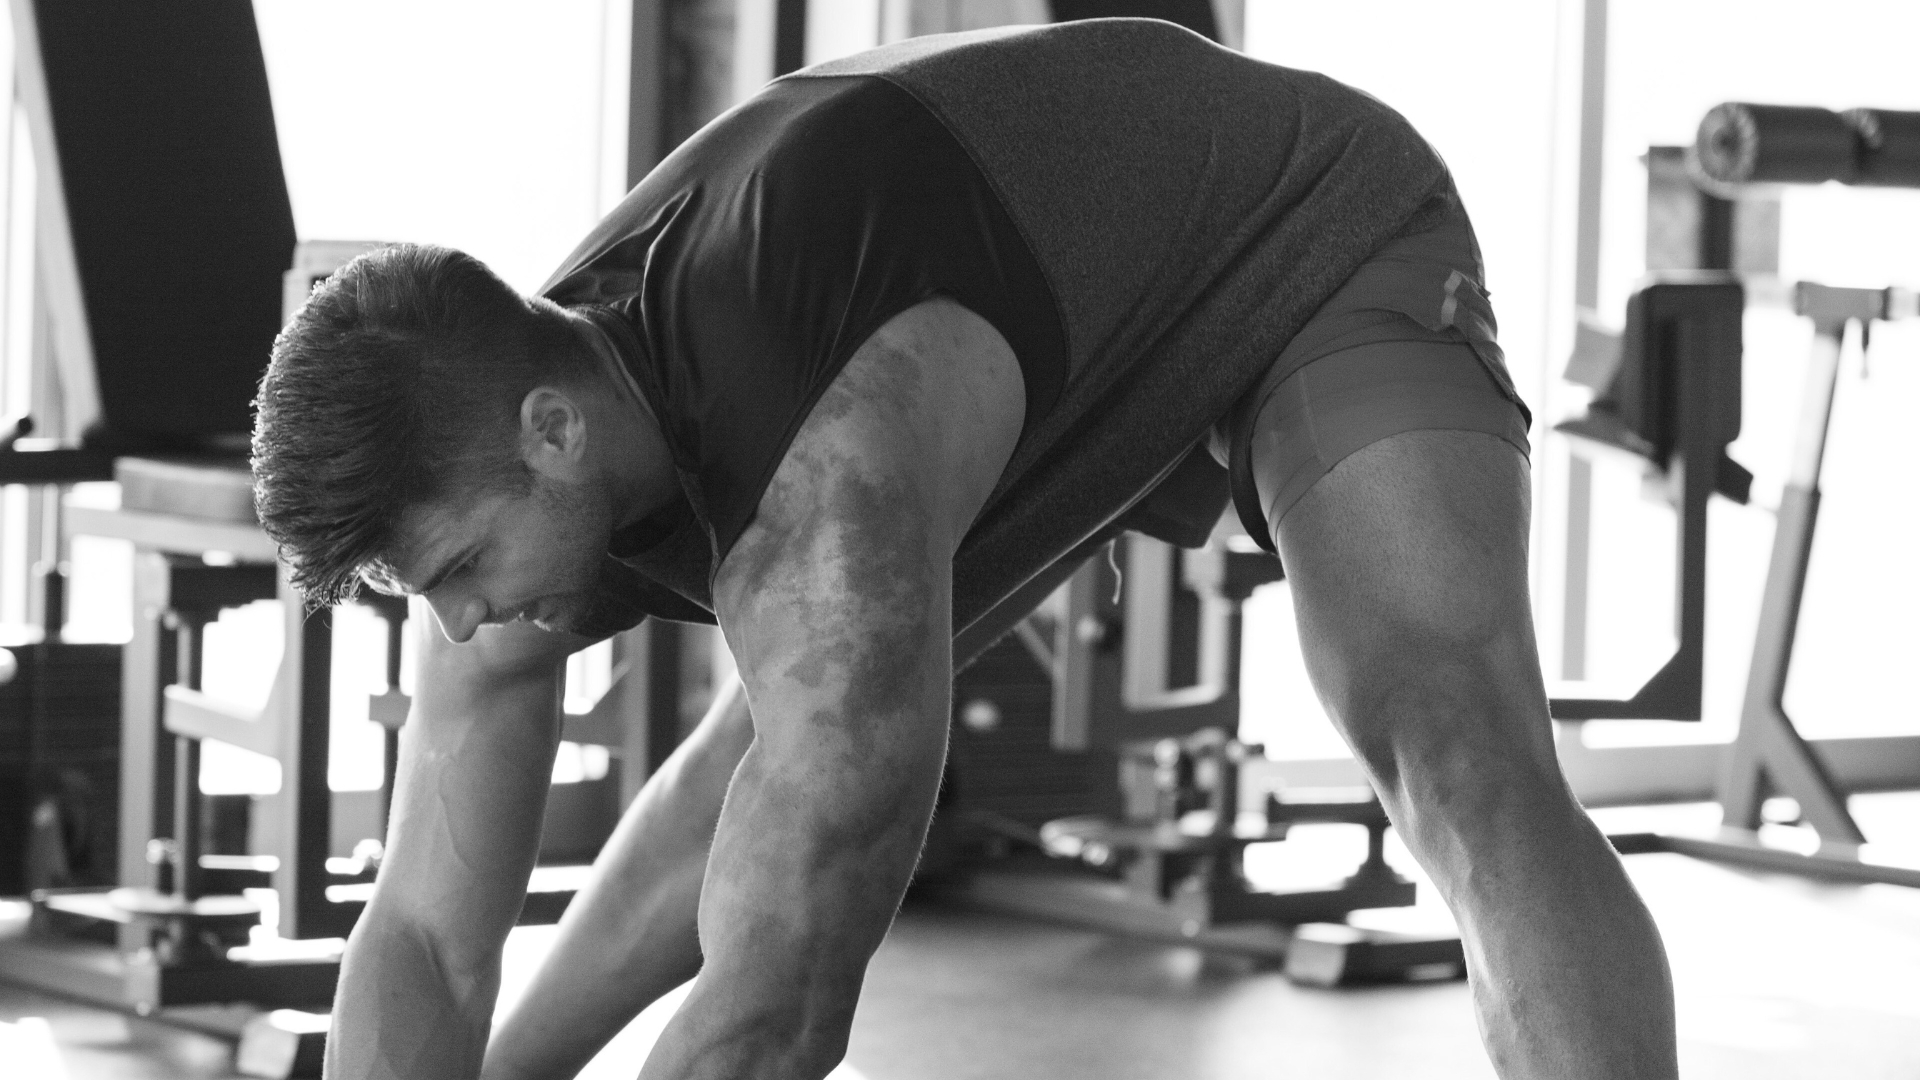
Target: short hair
398	382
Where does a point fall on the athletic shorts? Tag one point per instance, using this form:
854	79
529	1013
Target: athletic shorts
1408	343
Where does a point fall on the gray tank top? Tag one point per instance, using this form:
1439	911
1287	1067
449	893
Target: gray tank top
1176	210
1191	208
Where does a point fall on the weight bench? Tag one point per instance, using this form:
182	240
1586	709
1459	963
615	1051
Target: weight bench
164	249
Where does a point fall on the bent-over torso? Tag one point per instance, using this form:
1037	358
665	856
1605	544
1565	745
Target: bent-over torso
1147	218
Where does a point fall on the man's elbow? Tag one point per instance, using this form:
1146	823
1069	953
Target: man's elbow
429	939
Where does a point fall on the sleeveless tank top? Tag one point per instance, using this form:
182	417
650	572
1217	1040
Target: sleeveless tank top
1145	216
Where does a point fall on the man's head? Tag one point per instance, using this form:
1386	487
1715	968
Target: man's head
423	427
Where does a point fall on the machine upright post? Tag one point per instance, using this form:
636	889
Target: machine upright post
664	647
1696	462
1769	751
190	629
305	803
146	755
188	879
393	612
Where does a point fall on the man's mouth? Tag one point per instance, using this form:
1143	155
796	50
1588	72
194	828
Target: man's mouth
548	613
536	612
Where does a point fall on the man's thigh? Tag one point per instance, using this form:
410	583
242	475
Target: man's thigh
1408	564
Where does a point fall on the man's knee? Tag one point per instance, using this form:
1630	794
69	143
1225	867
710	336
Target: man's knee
1444	723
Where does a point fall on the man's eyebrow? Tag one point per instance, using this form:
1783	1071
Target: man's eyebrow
455	562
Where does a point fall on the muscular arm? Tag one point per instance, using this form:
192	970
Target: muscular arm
423	965
837	604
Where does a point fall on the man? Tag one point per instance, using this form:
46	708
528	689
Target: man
860	372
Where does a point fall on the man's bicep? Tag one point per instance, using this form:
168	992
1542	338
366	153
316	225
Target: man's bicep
844	609
840	588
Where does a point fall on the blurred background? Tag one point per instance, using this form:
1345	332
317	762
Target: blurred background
508	129
490	127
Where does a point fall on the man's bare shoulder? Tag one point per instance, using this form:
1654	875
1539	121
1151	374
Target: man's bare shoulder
924	416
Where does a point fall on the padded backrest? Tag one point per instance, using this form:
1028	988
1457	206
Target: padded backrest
1196	15
175	208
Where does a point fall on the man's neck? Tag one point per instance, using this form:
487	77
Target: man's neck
634	454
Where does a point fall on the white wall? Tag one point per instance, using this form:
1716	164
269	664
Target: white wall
474	123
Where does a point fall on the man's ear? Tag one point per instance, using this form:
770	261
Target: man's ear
553	433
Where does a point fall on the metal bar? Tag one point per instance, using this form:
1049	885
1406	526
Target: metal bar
663	687
1593	138
188	878
1579	561
305	803
188	881
146	758
1155	569
1743	781
395	615
1834	863
1767	747
629	660
65	465
193	714
1793	767
1586	294
1637	775
1769	750
1816	409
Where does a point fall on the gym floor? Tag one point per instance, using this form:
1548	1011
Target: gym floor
1777	978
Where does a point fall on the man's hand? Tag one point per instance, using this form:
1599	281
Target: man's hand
836	603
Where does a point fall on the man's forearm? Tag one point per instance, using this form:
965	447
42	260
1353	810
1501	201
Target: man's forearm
629	936
417	990
404	1010
812	855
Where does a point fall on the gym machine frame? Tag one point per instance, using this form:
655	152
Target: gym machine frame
1691	321
173	930
1740	144
1680	352
1769	754
1170	865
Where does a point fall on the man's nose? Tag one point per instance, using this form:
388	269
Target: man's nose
459	616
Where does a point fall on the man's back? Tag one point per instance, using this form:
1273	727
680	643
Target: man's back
1159	216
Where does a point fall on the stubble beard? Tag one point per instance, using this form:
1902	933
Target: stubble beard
586	526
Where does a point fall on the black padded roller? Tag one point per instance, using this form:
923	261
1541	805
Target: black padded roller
1195	15
1783	144
1890	147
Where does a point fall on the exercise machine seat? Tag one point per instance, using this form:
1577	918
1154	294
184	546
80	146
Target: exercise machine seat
208	488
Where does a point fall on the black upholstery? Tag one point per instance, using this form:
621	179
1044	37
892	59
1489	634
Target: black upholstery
178	207
1196	15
